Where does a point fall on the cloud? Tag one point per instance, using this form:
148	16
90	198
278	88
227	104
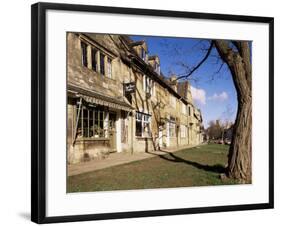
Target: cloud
198	95
219	97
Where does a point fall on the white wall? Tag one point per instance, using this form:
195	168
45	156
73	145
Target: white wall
15	111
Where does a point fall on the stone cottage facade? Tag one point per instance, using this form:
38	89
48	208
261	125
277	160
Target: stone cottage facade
119	101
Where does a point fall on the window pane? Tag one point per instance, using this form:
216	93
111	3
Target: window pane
109	70
102	69
146	129
101	120
142	124
138	128
85	123
146	118
96	125
79	126
94	59
84	54
138	116
91	124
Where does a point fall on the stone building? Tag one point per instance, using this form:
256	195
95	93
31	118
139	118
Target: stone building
119	101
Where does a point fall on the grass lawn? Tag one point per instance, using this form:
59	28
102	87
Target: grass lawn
190	167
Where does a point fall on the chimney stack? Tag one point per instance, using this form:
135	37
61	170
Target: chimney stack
174	82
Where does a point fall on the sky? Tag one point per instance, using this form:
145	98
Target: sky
212	86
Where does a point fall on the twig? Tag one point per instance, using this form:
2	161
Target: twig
199	64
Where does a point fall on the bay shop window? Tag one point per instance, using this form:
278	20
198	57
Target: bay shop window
96	60
143	121
91	122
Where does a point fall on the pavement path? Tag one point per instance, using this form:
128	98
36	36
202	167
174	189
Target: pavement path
115	159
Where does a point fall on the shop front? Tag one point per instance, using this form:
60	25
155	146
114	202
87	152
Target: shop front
94	125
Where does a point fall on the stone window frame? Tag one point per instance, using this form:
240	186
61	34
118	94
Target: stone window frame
99	52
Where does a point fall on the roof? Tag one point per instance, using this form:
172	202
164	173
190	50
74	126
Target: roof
132	44
152	57
143	65
147	68
100	42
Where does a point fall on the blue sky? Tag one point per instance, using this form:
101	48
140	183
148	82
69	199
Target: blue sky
213	92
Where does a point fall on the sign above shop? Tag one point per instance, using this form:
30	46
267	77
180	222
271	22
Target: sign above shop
129	88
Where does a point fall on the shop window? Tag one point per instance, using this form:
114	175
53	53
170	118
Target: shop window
85	122
146	125
79	123
99	124
90	123
138	124
143	124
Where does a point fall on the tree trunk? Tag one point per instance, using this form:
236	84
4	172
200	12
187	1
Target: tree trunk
237	56
240	152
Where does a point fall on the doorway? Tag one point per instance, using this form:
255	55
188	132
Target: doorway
112	130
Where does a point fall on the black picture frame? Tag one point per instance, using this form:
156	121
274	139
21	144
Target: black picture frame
38	111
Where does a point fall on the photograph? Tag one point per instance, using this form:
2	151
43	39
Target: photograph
146	112
157	112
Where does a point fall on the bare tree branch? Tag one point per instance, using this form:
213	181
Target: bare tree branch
199	64
237	44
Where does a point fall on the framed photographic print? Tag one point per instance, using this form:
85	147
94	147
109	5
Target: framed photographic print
140	112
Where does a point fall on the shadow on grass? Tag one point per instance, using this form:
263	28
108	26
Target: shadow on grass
218	168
